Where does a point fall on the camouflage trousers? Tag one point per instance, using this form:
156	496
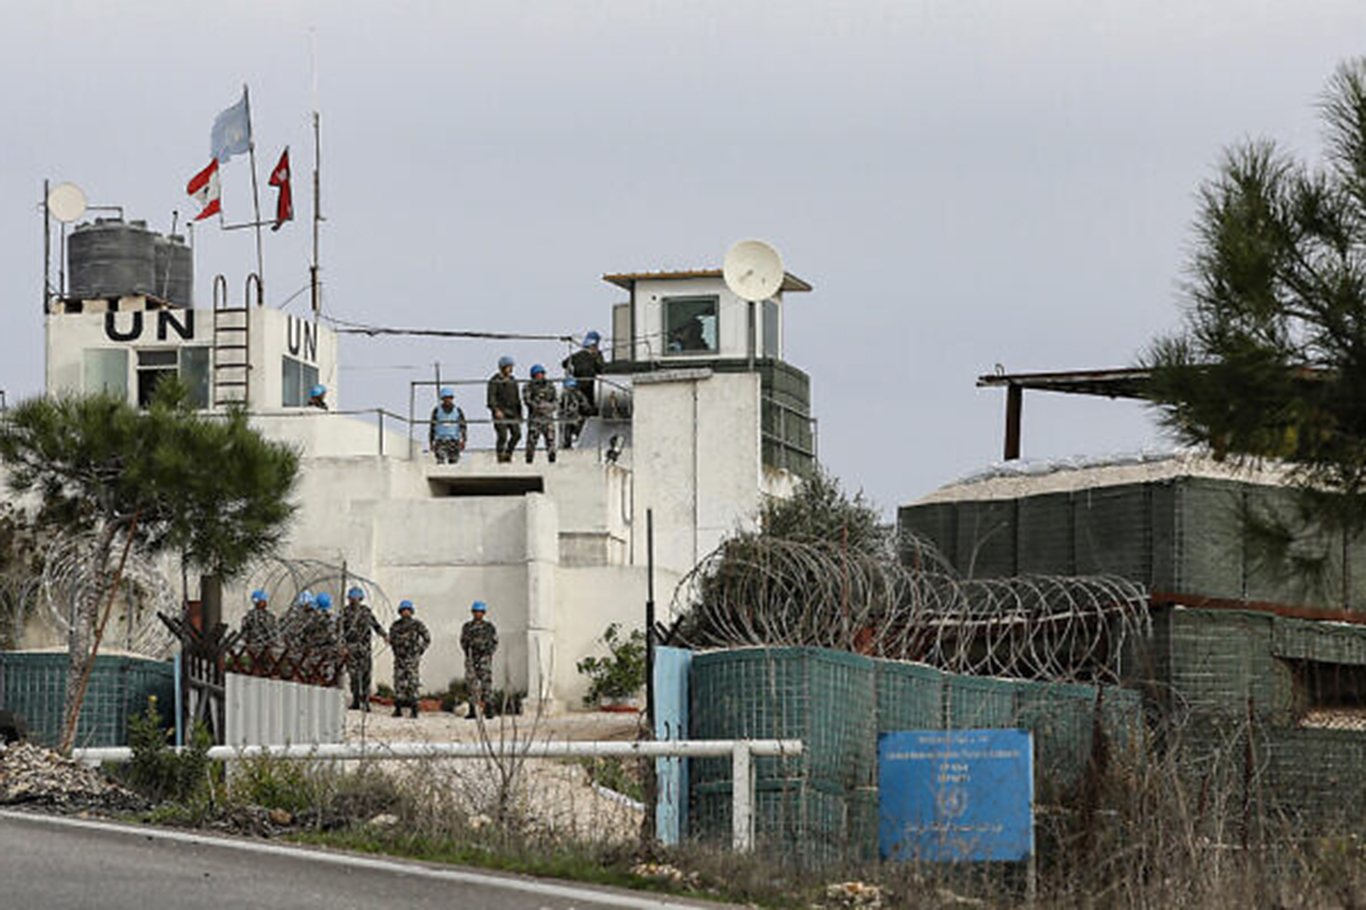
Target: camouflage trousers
447	451
358	668
479	677
543	427
407	685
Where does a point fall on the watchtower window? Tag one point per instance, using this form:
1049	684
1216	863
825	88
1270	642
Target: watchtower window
191	364
772	347
690	325
297	378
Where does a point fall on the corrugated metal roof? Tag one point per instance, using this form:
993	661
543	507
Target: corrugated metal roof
626	280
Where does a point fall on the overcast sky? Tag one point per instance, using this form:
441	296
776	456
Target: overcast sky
964	183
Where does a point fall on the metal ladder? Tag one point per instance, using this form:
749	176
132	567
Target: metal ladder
231	351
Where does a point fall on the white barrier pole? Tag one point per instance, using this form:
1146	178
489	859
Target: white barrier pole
742	798
741	751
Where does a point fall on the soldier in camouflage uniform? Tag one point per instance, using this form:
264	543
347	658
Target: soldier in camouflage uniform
294	624
479	641
574	408
260	629
357	624
408	638
320	639
541	403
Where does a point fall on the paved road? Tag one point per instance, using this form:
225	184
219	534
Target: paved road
72	864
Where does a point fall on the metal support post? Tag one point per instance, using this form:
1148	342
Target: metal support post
1014	407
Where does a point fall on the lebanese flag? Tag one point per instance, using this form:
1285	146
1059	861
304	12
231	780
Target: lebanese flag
284	204
205	190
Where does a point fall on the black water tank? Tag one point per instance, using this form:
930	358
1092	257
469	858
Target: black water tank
174	270
111	258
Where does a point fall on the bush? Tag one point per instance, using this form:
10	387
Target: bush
157	771
623	673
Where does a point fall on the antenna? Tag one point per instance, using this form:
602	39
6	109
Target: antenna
753	270
66	202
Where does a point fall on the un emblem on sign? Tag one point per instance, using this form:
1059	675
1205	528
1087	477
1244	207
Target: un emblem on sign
951	802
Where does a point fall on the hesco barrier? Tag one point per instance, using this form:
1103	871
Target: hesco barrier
1185	535
823	805
34	684
1228	672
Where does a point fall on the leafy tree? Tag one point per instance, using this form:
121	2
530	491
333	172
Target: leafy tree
821	511
164	478
1271	360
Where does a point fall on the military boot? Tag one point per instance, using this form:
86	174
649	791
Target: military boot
398	710
530	455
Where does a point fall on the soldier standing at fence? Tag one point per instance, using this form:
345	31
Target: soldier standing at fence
479	641
585	365
320	640
573	409
294	625
541	403
357	624
447	432
317	397
408	638
260	628
505	408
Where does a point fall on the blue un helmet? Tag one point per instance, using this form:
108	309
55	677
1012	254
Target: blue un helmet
591	338
537	370
570	382
406	605
317	391
324	601
259	597
479	607
305	598
506	361
356	594
447	392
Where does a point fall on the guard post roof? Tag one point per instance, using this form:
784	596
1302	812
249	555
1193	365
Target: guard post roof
627	280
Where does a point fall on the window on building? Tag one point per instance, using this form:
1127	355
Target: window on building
690	325
771	348
153	367
191	364
1328	694
194	372
297	378
105	370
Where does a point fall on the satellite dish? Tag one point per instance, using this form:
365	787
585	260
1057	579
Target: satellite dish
753	270
66	202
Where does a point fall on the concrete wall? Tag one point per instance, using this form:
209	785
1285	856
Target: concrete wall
697	461
273	335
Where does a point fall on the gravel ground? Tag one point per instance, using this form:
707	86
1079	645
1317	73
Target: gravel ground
555	795
440	726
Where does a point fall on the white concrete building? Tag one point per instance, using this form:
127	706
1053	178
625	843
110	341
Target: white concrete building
713	420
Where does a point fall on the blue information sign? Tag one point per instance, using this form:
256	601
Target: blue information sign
956	795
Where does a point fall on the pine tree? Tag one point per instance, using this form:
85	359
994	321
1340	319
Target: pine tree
1271	361
162	478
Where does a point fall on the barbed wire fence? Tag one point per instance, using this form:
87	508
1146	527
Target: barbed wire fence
756	591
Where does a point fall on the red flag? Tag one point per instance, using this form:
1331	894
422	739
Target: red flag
284	204
206	191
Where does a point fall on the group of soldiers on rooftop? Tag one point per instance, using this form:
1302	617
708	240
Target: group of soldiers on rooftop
544	405
309	628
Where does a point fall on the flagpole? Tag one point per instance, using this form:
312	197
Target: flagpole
314	288
255	194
